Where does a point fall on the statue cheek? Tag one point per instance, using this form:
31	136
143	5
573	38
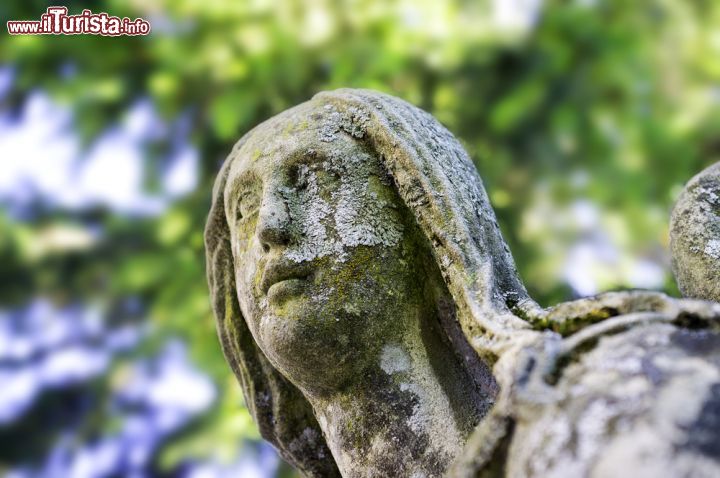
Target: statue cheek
248	273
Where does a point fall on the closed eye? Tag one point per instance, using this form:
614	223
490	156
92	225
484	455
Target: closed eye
247	206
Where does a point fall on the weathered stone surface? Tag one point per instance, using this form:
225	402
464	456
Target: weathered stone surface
371	310
625	393
332	228
695	236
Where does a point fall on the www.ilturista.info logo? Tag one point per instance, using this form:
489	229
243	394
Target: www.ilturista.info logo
56	21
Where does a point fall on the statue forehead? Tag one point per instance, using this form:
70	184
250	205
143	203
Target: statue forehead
306	131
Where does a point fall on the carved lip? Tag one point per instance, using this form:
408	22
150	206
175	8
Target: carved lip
281	269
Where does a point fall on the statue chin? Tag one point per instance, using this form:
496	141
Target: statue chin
330	354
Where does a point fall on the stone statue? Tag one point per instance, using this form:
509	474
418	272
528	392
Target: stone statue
371	310
695	236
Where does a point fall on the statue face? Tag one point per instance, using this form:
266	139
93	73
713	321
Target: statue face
323	255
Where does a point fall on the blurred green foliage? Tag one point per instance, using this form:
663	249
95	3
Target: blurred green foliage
611	103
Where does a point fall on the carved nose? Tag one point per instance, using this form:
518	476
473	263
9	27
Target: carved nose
273	222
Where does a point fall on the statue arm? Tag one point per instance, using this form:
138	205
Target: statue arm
570	317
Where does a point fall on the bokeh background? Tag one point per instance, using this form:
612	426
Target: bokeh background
584	118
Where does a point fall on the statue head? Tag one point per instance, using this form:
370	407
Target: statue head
326	221
325	253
